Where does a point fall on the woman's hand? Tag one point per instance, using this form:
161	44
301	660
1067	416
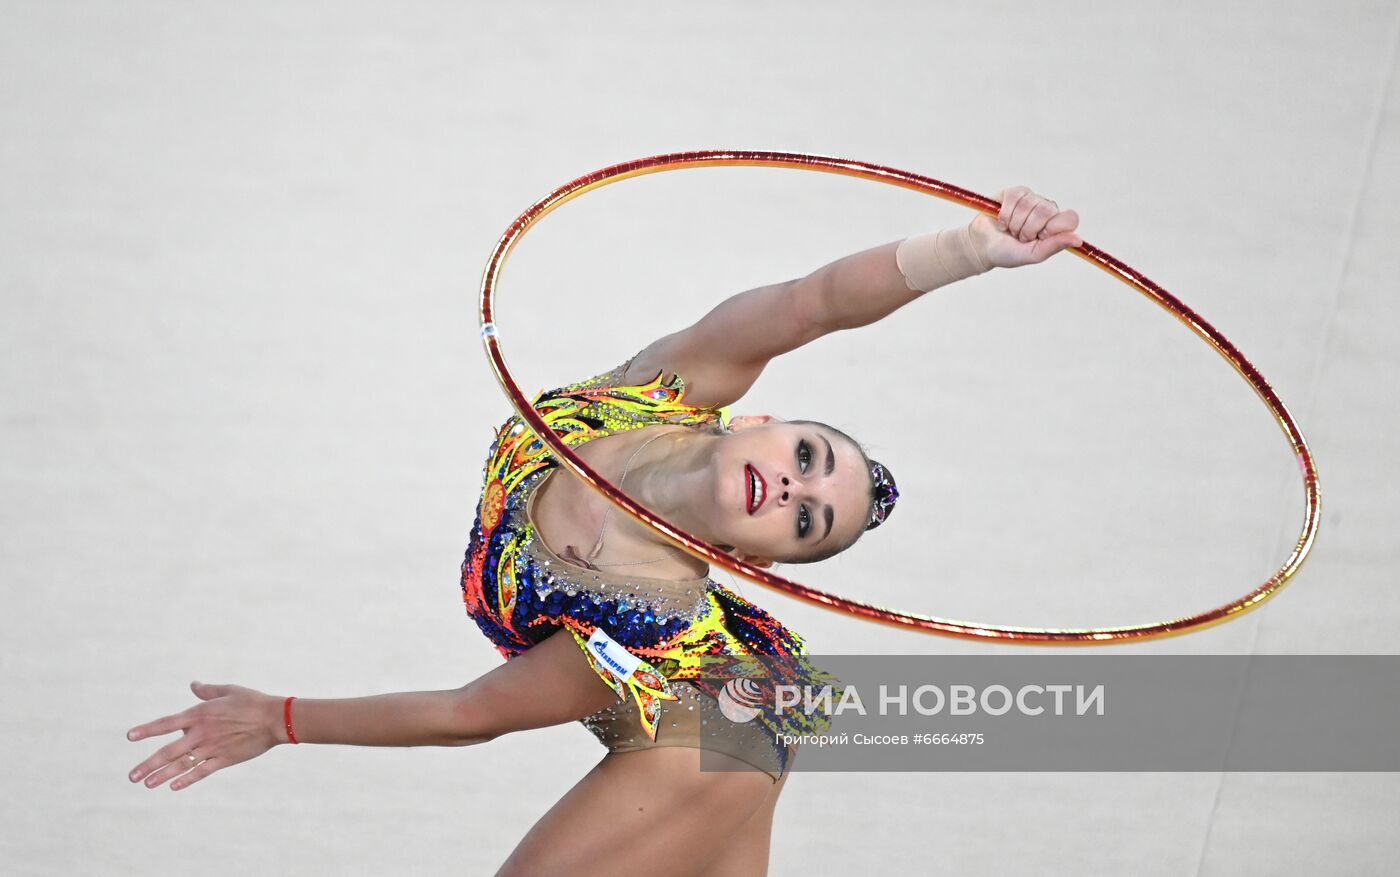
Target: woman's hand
233	724
1029	229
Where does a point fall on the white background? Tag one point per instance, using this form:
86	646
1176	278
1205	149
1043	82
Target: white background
243	407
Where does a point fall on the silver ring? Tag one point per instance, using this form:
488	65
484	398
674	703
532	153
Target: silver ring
190	756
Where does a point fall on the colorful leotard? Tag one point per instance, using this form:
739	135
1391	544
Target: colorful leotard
682	635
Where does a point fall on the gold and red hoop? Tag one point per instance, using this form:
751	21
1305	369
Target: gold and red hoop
490	336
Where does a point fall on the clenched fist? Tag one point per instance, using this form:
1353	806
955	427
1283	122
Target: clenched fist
1030	228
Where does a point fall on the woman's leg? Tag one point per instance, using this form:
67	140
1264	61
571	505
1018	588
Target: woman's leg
647	812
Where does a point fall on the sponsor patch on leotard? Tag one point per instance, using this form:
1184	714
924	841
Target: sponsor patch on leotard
609	653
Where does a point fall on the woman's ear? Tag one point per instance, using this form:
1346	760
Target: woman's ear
744	421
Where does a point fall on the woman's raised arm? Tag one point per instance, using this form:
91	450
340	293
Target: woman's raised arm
723	353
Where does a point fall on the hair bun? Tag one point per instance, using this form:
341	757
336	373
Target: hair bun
886	494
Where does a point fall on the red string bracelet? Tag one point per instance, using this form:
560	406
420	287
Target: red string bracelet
287	714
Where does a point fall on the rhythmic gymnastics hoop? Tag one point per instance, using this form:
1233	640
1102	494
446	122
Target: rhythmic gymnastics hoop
490	336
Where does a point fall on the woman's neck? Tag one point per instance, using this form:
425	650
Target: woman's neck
673	477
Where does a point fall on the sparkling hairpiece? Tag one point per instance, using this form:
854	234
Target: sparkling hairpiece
886	495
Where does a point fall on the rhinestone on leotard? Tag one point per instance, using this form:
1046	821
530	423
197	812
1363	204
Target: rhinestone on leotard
519	592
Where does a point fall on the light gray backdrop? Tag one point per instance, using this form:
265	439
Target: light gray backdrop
243	407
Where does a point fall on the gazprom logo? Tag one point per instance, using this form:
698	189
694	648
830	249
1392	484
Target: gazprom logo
620	662
602	650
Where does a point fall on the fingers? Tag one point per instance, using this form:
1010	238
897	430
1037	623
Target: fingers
205	767
1009	199
1065	220
1020	206
180	720
166	771
205	691
160	726
160	766
183	771
156	769
1027	216
214	735
1048	247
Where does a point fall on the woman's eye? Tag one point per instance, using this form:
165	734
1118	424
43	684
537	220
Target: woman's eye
804	456
804	521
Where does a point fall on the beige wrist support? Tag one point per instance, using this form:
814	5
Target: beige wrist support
936	259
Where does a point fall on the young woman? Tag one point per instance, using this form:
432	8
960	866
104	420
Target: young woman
572	593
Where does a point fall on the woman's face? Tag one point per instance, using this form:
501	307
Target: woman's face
787	491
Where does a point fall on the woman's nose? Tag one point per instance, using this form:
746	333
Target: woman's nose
789	488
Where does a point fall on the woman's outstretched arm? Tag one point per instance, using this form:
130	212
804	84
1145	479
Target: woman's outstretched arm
723	353
550	684
868	286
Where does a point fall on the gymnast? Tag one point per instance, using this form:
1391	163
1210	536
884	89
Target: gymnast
572	594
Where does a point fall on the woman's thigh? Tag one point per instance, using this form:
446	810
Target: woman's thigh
647	812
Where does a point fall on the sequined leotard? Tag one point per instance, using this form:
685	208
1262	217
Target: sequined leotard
519	591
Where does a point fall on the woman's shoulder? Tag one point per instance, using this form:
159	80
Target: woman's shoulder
629	395
628	374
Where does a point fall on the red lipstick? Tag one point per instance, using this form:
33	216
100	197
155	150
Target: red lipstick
756	488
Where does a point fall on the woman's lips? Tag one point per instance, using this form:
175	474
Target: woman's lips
755	487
